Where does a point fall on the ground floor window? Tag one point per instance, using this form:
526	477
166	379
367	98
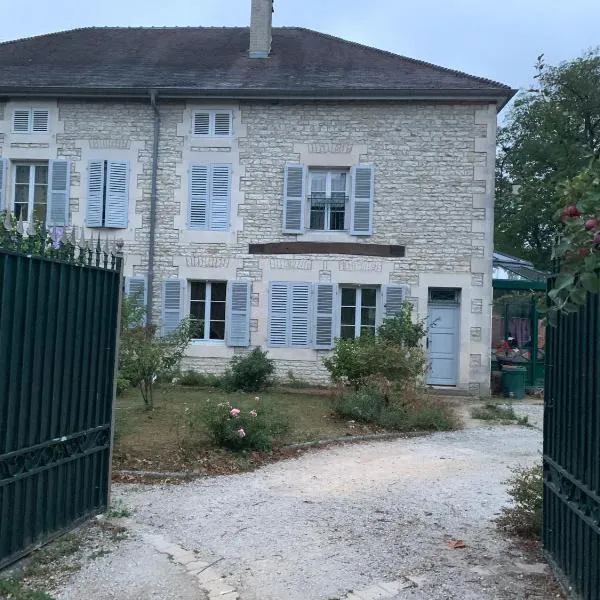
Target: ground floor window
31	192
358	313
207	309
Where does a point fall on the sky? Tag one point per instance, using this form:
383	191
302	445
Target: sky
499	40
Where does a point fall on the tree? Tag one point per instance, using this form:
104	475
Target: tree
144	355
551	134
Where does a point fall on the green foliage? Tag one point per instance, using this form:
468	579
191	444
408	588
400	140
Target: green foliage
123	384
495	412
13	589
249	373
524	517
402	329
551	133
144	355
364	405
195	379
295	382
238	427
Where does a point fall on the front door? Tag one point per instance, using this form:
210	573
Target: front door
442	343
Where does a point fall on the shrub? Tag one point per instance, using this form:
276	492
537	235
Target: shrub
195	379
365	405
250	373
402	329
495	412
240	427
123	384
524	517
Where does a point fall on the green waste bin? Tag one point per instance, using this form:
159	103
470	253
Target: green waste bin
513	381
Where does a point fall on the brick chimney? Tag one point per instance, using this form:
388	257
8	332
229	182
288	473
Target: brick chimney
261	20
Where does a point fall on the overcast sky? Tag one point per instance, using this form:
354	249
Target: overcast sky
495	39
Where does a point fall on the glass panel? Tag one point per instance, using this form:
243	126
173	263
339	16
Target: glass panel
367	316
217	330
336	219
338	183
197	329
348	296
40	194
347	331
318	184
41	174
369	297
22	174
348	315
443	295
317	218
21	212
39	213
217	310
21	194
197	310
198	291
366	330
218	291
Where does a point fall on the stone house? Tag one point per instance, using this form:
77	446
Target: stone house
284	186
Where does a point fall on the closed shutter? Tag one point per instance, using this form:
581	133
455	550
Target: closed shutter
361	213
58	193
238	313
201	124
220	195
40	119
136	287
293	199
20	122
393	298
324	317
278	314
223	123
300	314
198	198
172	305
95	193
3	172
117	195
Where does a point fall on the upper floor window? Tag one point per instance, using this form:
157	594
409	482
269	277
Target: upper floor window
31	120
31	192
209	197
328	198
108	194
217	123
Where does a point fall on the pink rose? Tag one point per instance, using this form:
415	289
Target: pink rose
234	412
253	413
241	433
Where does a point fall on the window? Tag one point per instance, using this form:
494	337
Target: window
215	123
207	309
328	196
358	311
209	197
30	120
108	194
31	192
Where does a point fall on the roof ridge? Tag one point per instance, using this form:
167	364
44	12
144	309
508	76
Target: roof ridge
402	56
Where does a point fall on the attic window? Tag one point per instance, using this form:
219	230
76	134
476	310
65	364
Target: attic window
31	120
212	123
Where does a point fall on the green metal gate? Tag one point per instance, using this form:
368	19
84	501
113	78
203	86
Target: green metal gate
571	529
58	336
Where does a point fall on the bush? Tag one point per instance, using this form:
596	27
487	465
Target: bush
240	427
364	405
402	329
195	379
250	373
123	384
524	517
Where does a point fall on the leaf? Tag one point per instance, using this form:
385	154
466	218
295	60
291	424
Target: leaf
564	280
590	282
578	296
569	307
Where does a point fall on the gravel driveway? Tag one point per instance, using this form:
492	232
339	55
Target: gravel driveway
359	521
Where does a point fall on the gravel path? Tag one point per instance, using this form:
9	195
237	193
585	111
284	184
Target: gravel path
348	521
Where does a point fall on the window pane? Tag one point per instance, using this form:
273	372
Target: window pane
40	194
365	330
336	219
39	213
198	291
22	174
318	184
217	310
21	194
197	329
348	315
217	330
21	212
338	182
369	297
41	174
218	291
197	310
317	218
348	296
347	331
367	316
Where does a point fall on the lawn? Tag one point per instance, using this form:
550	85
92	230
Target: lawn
162	440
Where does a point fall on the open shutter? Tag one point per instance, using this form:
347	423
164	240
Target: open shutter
238	313
278	314
198	200
95	193
3	171
172	305
300	314
325	294
117	195
20	122
393	298
361	213
220	195
136	287
58	193
201	125
223	123
293	199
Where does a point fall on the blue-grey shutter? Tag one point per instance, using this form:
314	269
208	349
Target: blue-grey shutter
238	313
293	199
172	304
278	314
324	315
220	197
300	314
136	286
95	193
117	194
361	210
393	298
59	180
198	199
3	171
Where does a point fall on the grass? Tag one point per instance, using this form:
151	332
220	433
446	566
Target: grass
496	412
14	589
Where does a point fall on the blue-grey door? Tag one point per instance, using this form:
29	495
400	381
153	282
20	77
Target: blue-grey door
443	344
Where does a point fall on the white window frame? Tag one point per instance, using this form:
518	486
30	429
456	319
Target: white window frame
211	123
312	172
30	130
207	307
31	192
358	306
